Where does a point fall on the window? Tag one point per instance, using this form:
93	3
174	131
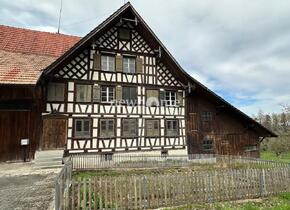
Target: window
83	93
206	116
169	98
249	148
152	128
164	153
82	128
207	144
152	98
107	128
55	92
130	95
129	65
107	63
107	93
124	34
129	127
171	127
107	157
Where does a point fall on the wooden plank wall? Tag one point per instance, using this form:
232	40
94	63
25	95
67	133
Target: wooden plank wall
18	124
229	133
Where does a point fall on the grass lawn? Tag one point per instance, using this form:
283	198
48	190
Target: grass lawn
267	155
279	202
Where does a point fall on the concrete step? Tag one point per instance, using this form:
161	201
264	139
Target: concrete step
48	159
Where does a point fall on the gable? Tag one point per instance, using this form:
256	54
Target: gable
154	71
163	55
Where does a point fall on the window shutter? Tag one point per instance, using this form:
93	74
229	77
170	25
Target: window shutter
97	61
139	65
162	97
119	63
180	98
97	93
119	93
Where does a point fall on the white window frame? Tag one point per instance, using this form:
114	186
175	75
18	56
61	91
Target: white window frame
129	65
107	90
172	98
107	60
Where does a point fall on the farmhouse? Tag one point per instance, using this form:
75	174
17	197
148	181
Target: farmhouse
116	90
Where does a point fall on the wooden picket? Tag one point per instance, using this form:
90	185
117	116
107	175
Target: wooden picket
161	190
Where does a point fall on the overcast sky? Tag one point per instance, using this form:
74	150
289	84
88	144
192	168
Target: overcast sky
238	48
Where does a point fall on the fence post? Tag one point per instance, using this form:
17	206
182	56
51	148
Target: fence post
57	194
145	201
262	183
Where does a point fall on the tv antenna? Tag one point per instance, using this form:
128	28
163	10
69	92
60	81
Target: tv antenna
59	18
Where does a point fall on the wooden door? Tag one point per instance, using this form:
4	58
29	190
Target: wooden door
192	133
54	134
225	149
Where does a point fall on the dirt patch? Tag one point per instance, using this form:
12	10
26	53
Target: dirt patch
24	188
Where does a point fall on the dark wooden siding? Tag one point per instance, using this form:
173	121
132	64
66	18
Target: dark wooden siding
229	133
20	117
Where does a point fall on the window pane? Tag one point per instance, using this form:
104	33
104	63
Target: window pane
82	128
83	93
124	34
78	125
129	65
107	128
152	128
129	127
86	125
55	92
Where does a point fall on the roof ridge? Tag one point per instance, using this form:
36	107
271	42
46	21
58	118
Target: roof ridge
38	31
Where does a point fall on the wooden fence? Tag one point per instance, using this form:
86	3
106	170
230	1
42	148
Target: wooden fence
161	190
62	185
98	161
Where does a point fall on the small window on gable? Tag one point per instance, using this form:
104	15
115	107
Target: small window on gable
206	116
129	65
55	92
124	34
171	127
83	93
207	144
107	128
107	93
82	128
152	128
129	127
108	63
168	97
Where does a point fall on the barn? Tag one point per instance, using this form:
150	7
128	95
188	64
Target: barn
116	90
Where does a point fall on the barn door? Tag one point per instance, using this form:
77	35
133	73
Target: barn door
192	133
54	135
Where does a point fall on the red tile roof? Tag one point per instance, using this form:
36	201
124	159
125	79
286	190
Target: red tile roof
25	53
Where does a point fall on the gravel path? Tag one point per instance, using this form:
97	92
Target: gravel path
24	188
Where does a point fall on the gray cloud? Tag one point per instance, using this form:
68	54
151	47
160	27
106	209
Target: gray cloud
240	48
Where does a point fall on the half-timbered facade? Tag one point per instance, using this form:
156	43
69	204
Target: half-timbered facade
118	96
116	90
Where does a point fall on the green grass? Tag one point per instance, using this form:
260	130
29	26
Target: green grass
267	155
279	202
